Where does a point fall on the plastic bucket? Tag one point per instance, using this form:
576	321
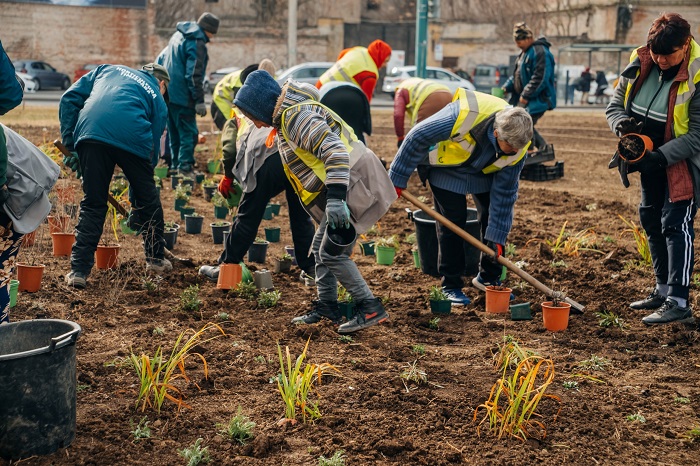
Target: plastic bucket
497	92
337	241
37	386
426	239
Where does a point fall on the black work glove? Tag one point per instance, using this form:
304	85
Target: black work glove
497	250
622	167
628	125
652	161
4	195
398	143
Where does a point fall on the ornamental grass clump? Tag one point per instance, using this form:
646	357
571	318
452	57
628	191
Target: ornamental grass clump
296	384
158	373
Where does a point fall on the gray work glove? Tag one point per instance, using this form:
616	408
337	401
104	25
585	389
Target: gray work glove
628	125
337	213
201	109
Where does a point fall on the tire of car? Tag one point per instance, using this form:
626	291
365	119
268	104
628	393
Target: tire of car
65	84
38	84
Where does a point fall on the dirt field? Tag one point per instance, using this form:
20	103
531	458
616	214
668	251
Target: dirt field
652	373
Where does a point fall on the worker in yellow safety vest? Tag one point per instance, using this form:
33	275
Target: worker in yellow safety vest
420	98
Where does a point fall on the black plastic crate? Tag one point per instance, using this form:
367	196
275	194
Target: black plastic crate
542	172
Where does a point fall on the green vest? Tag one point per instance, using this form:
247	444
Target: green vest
474	107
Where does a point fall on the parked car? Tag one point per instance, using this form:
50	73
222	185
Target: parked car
43	74
488	76
29	84
214	77
400	73
305	72
83	70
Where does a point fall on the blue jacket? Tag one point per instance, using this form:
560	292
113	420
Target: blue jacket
185	58
115	105
463	179
11	92
535	69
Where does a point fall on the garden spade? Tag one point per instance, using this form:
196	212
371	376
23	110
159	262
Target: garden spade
120	208
576	308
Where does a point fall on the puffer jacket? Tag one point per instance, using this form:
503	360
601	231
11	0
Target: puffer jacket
116	105
186	59
535	68
10	89
360	178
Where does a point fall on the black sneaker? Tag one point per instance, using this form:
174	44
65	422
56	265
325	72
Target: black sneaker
369	312
653	301
319	311
669	312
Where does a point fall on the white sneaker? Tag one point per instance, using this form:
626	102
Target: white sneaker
159	265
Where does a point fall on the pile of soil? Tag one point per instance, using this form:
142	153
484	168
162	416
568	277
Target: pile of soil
367	409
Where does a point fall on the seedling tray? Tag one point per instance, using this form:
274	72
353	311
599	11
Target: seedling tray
542	172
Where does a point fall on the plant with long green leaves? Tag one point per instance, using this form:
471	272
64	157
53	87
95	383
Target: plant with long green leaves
640	239
295	384
510	354
156	374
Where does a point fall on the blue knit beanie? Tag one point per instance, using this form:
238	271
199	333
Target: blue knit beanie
258	96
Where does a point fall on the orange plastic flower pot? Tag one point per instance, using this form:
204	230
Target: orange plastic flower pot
497	299
556	318
29	277
62	243
230	275
107	257
633	146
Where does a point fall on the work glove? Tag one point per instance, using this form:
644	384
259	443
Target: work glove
652	161
497	250
201	109
337	213
226	187
71	161
622	167
4	195
398	190
628	125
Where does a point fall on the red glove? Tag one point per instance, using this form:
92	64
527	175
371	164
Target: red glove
497	250
226	187
398	191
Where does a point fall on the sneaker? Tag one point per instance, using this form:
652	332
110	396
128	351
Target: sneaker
456	296
76	280
158	265
669	312
369	312
307	278
319	311
653	301
481	284
211	272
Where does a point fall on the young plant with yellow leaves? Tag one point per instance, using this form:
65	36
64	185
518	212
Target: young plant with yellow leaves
296	384
510	354
640	239
156	374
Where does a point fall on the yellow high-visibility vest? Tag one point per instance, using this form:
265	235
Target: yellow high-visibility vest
418	90
224	92
355	61
474	107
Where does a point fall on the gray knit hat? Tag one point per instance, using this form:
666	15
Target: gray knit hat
208	22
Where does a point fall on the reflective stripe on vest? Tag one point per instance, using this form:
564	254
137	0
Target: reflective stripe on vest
223	92
353	62
473	109
347	137
686	90
243	124
418	90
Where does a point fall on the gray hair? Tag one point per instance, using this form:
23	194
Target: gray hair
514	126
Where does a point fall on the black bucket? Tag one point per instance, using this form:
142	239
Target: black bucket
37	387
338	240
426	238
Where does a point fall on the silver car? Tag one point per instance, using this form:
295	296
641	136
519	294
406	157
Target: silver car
305	72
440	75
43	74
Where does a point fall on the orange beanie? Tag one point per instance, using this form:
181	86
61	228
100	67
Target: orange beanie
379	51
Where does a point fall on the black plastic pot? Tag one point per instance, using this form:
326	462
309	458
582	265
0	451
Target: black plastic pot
257	252
170	235
217	232
336	241
193	224
37	386
209	192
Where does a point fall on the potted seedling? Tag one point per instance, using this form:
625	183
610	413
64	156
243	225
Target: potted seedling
275	208
385	249
30	271
107	252
217	230
187	210
283	263
188	181
182	197
290	250
272	234
555	313
258	250
63	238
209	188
161	171
439	304
268	212
193	223
346	305
220	205
175	181
497	299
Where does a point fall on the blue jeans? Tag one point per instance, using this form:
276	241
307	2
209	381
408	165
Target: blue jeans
183	133
12	242
330	270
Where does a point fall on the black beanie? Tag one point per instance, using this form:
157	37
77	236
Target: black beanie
208	22
258	96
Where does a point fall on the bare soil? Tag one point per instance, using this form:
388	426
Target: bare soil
367	410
